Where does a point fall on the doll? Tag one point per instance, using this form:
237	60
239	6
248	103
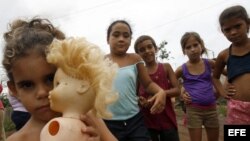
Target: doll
82	82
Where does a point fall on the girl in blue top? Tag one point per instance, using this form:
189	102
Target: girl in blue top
198	95
127	122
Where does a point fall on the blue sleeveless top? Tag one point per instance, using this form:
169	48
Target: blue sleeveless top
237	65
199	87
125	83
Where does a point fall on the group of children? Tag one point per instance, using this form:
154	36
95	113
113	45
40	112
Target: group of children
145	112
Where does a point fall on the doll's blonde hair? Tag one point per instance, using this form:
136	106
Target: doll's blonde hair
81	59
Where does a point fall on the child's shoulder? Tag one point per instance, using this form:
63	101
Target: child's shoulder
167	66
211	62
223	55
135	58
181	66
178	72
224	52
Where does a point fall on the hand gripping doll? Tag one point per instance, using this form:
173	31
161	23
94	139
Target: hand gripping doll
82	82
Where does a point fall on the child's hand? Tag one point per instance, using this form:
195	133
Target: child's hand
186	97
231	91
91	128
159	100
143	102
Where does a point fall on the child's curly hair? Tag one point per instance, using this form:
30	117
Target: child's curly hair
24	36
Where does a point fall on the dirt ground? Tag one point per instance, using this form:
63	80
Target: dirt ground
183	131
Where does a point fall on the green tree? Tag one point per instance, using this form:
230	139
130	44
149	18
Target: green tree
163	54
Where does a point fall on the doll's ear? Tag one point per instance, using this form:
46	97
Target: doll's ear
84	86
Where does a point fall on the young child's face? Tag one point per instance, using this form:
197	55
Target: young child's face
33	79
147	51
193	48
235	30
119	38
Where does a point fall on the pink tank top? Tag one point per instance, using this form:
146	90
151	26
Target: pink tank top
167	118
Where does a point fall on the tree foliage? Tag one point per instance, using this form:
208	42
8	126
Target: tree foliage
163	54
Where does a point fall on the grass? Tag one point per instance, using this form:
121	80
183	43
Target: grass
8	124
222	106
222	109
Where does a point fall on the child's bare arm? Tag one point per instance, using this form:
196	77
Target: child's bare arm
159	95
174	91
218	69
96	128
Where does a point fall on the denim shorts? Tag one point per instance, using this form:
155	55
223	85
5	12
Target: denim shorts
132	129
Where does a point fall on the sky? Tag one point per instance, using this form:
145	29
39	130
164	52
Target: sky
162	19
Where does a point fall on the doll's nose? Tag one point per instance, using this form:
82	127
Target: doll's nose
51	93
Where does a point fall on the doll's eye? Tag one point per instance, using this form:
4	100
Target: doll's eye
49	79
56	83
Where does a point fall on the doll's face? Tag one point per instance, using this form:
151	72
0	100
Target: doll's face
68	93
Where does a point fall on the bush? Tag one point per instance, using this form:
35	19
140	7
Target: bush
5	101
8	124
222	109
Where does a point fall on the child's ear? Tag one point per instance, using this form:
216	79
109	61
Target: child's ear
84	86
12	88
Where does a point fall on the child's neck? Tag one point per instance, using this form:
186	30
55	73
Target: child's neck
36	121
31	130
121	60
243	43
152	67
118	55
195	61
151	64
35	124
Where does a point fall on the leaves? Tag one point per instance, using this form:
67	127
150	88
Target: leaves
163	54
